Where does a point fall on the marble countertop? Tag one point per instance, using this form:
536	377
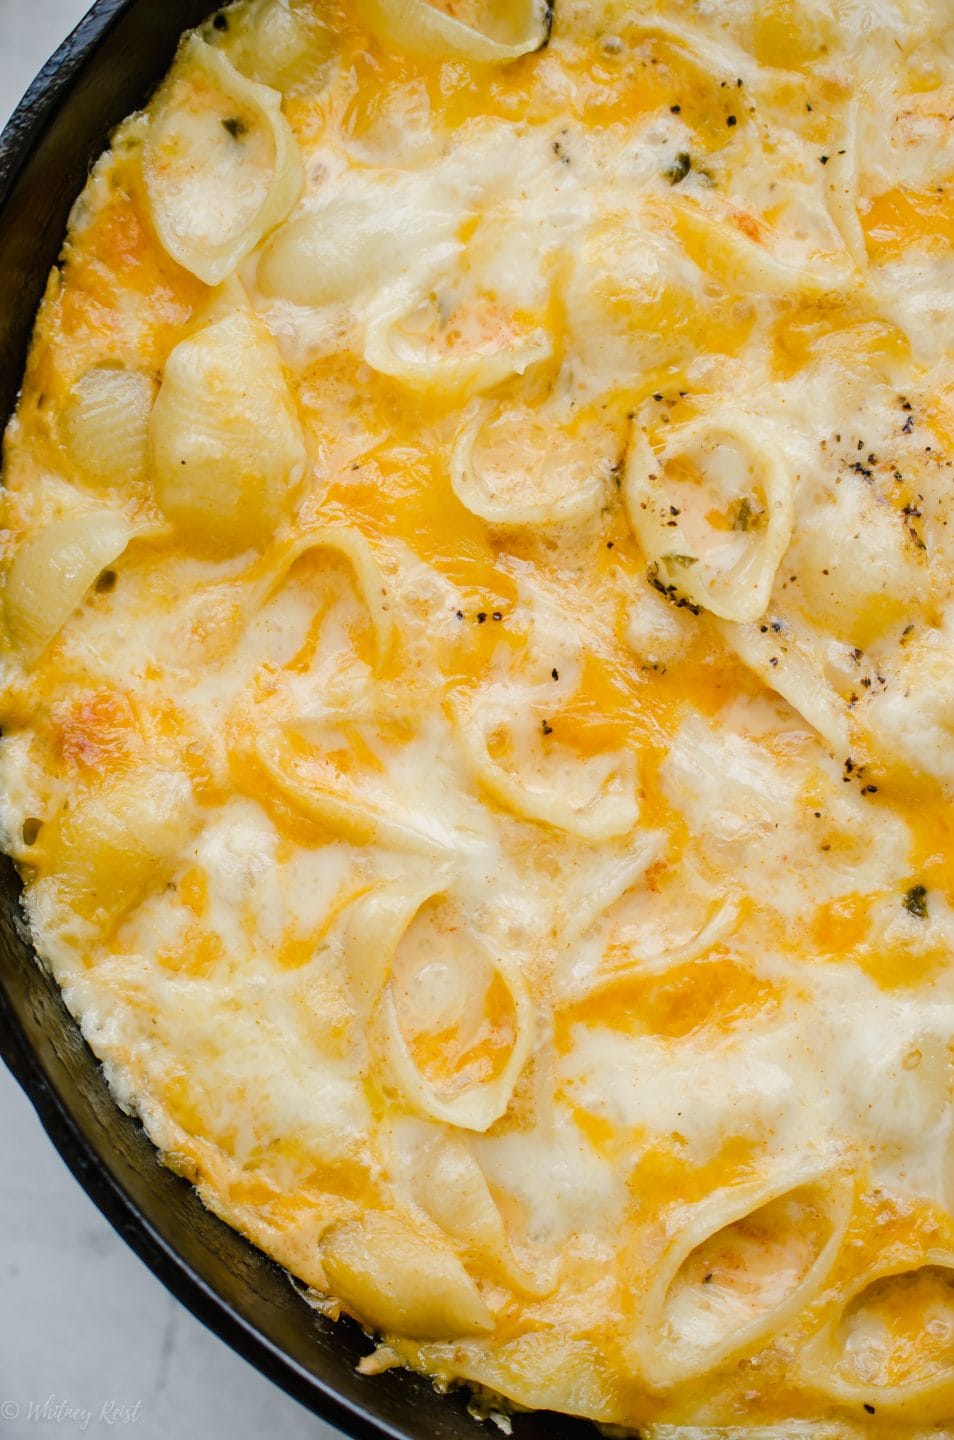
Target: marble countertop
90	1342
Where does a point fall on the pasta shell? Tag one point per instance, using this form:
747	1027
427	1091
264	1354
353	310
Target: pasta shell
452	1000
720	924
221	165
52	571
890	1344
227	445
452	1188
407	343
283	44
738	1267
751	265
790	664
842	188
106	425
387	940
119	842
372	928
593	797
543	474
543	1370
328	255
724	468
503	34
401	1283
310	762
369	580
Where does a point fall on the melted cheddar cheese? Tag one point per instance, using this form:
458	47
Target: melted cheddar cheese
478	684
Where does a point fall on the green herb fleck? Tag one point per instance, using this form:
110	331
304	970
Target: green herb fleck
915	902
670	591
679	168
236	127
742	519
682	560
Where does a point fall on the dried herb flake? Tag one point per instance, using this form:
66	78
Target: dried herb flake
679	168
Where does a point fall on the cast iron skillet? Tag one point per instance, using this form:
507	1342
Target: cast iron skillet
102	73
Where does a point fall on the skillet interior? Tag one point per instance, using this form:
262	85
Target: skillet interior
101	74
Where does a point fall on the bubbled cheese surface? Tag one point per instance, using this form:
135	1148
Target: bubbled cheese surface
478	685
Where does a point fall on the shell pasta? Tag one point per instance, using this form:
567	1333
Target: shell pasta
477	685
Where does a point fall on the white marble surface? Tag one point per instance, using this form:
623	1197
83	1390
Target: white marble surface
90	1342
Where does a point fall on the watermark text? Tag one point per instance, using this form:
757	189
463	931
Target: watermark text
55	1411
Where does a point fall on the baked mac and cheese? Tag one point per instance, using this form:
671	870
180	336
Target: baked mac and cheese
478	684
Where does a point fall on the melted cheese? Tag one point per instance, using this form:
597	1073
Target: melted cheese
477	690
